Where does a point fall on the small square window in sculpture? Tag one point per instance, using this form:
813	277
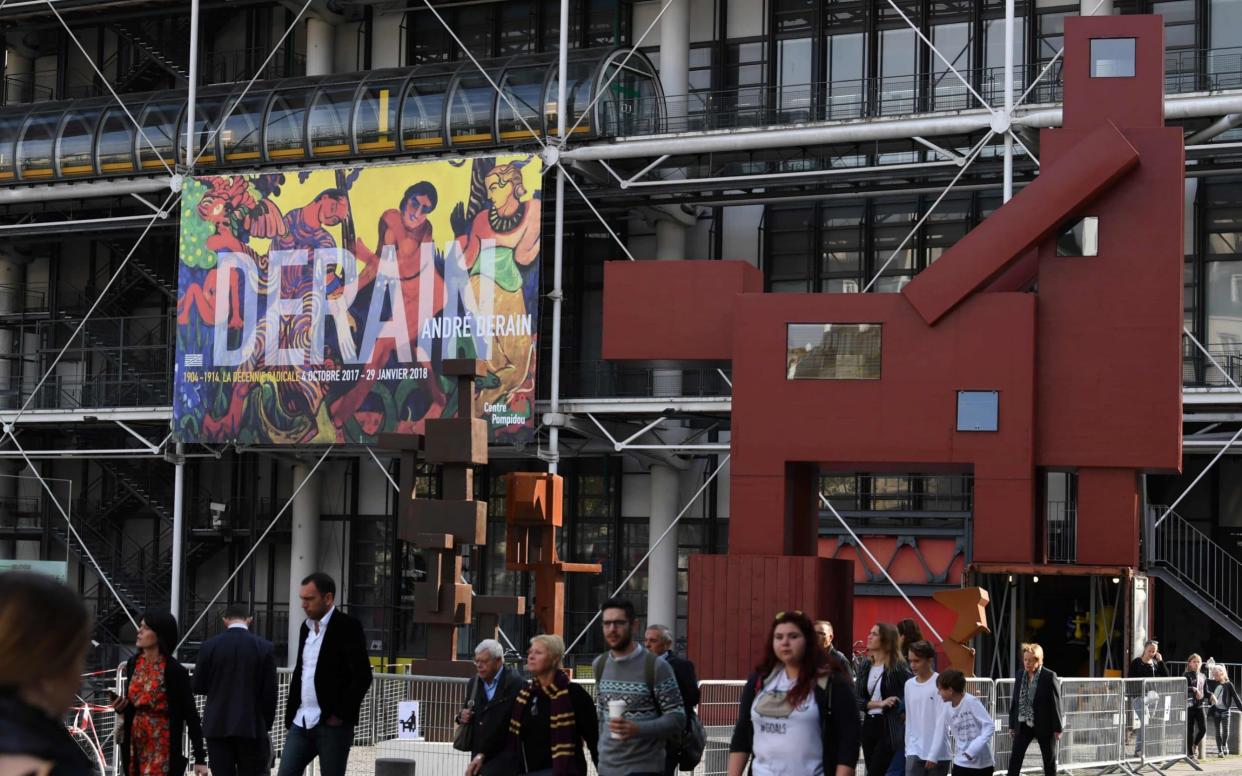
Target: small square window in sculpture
1112	57
978	410
1081	238
833	351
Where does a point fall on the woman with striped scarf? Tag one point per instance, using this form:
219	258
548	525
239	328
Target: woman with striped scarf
552	717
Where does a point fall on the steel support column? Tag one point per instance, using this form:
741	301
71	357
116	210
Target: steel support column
178	532
304	549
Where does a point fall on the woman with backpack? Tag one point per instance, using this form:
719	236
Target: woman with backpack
797	713
881	686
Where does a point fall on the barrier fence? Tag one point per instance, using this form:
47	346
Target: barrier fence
1128	725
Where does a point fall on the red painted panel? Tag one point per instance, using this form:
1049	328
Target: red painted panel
725	642
868	610
675	310
1108	517
1127	102
1093	164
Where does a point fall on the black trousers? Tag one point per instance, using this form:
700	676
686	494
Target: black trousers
1047	748
877	749
1196	729
239	756
962	770
1222	731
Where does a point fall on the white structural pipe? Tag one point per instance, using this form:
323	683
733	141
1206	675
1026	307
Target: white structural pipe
85	189
319	40
192	96
558	243
1007	187
178	532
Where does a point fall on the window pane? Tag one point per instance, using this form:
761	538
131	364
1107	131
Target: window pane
423	112
1112	58
329	120
159	122
470	114
285	120
34	148
897	70
376	119
833	351
794	94
76	139
846	61
243	129
116	142
1224	306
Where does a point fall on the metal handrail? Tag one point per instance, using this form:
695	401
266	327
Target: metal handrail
1061	531
1198	562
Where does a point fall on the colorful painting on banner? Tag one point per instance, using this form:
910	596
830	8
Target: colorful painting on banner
316	307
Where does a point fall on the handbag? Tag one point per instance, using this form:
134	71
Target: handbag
463	735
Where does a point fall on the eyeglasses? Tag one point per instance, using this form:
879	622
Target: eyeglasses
421	208
783	615
616	623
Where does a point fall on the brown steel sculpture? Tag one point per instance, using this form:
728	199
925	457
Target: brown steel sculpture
970	605
533	513
442	527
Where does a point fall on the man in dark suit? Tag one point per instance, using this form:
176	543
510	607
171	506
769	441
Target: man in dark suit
330	680
659	641
825	634
1035	711
236	670
489	702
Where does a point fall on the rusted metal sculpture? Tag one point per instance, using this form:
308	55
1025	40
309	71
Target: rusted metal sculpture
532	515
441	527
970	604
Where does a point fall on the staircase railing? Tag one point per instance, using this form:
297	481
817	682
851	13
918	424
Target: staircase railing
1174	545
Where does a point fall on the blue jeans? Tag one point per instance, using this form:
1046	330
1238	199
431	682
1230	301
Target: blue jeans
330	744
898	765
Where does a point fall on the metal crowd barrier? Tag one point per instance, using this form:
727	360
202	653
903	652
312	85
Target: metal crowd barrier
1109	724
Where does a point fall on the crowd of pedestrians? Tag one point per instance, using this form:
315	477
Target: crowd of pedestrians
1209	695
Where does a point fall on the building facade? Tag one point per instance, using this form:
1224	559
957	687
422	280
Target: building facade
835	146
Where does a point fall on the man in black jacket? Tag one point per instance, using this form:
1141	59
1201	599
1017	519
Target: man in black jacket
236	670
489	703
1035	711
329	682
659	641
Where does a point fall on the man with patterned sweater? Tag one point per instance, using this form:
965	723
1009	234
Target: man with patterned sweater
631	680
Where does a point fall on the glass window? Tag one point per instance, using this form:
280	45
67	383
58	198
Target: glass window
159	122
329	120
793	98
77	140
953	41
744	99
206	113
1080	239
8	142
375	123
978	410
422	113
994	58
517	28
578	96
1226	25
1112	57
470	111
1224	307
846	67
833	351
116	142
243	129
34	147
286	124
842	248
606	22
794	15
898	81
523	87
632	105
788	241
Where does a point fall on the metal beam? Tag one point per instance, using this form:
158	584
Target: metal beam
87	189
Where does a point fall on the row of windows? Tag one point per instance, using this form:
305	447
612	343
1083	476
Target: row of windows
383	112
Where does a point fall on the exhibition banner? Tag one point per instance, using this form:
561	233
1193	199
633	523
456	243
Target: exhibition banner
316	307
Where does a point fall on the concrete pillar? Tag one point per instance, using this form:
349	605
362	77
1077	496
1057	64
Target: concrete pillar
662	565
18	71
1095	8
12	286
304	551
320	37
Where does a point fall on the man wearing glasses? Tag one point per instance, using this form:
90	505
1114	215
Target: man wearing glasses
489	701
639	705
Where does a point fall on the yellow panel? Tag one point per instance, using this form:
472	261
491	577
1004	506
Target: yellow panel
241	155
6	176
581	129
383	110
118	167
378	145
475	138
78	169
424	141
331	149
45	173
287	153
152	164
515	134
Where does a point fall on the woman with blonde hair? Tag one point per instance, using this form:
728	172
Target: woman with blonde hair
881	686
1223	696
552	717
44	632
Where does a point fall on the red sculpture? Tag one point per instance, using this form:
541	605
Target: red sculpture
1074	360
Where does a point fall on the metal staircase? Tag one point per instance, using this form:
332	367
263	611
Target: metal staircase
1200	570
149	55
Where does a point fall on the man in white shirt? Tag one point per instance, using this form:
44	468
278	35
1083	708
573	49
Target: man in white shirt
927	746
329	682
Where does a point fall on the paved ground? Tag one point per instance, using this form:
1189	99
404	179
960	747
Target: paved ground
1212	765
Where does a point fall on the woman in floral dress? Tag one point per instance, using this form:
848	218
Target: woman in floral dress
158	705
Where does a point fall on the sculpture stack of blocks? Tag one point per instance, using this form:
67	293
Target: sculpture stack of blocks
442	527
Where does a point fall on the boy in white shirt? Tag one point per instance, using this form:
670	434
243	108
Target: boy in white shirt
970	724
927	746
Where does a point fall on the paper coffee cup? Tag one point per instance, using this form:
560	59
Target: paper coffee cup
615	710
